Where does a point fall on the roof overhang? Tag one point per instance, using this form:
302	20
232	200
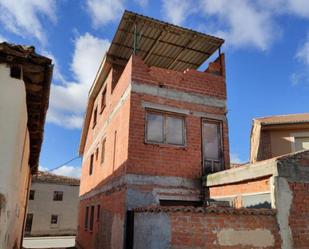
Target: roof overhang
37	74
160	44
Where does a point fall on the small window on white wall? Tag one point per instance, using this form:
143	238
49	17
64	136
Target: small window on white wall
301	143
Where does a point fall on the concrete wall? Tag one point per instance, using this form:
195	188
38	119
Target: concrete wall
43	206
195	228
14	154
282	142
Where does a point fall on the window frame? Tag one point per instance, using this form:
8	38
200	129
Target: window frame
103	151
103	99
91	220
166	114
91	164
221	144
31	194
57	194
86	221
98	212
95	117
57	219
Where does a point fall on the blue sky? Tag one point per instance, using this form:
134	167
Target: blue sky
267	57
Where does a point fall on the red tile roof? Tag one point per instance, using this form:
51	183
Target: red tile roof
47	177
285	119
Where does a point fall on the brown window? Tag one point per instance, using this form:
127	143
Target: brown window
103	100
95	114
103	150
31	195
212	146
165	128
58	195
98	212
54	219
86	218
91	165
91	218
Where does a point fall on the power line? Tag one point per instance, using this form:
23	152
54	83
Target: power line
71	160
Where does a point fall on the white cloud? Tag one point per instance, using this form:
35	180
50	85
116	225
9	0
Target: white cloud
65	170
142	3
302	55
234	158
22	17
105	11
69	171
68	99
244	24
177	11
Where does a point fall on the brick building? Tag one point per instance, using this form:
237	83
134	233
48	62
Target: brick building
156	154
154	125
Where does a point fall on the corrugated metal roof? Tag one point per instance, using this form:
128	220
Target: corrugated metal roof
161	44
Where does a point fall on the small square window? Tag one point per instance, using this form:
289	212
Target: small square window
91	165
31	195
54	219
58	195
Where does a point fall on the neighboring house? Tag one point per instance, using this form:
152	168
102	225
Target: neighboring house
154	126
52	206
278	135
25	79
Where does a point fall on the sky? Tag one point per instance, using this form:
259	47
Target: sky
266	48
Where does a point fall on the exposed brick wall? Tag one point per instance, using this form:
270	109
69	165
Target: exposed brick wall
239	188
114	165
112	214
195	230
190	81
299	215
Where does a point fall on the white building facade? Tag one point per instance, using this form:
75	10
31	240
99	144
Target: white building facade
52	206
24	93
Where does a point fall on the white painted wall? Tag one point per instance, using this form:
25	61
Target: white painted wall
43	206
14	154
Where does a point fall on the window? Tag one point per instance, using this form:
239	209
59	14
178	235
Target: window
212	146
165	128
54	219
86	218
58	195
301	143
98	212
31	195
91	218
103	100
95	114
91	165
103	150
28	226
97	154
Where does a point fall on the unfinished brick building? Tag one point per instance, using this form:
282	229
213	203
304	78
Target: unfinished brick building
154	139
154	125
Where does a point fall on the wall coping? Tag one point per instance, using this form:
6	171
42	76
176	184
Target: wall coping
206	210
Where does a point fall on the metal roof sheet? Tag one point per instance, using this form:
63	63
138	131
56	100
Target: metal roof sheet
160	44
